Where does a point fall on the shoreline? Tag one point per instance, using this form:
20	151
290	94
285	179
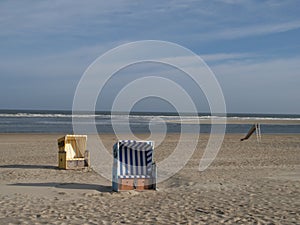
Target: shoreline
240	121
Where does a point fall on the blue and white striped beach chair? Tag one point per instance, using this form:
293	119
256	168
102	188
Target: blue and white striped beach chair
134	167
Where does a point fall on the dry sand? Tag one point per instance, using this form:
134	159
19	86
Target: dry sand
248	183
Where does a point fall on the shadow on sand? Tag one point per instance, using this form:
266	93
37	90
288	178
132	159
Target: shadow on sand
21	166
97	187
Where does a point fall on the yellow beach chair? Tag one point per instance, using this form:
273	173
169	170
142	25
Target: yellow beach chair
72	153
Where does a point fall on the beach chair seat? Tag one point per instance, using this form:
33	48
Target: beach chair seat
134	167
72	153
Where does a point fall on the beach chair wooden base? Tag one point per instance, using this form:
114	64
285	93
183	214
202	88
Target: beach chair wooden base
126	184
72	164
75	164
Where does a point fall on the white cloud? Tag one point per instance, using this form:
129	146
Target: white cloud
282	68
261	86
256	30
226	56
233	33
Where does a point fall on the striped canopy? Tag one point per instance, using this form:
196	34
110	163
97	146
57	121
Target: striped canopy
135	158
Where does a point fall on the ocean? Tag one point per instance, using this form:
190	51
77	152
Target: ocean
36	121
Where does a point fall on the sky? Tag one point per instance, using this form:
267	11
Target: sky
252	47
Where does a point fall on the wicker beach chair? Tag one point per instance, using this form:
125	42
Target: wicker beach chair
134	167
72	153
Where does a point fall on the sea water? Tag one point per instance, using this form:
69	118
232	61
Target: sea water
34	121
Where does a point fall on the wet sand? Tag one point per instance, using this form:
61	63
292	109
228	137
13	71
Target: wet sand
248	183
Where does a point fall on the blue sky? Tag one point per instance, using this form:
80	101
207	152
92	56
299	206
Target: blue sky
253	47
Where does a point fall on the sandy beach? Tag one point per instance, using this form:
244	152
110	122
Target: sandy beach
248	183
